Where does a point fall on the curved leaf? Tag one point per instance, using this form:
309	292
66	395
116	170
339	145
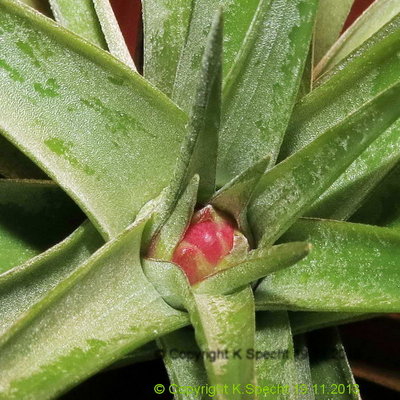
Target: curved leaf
352	268
22	287
73	128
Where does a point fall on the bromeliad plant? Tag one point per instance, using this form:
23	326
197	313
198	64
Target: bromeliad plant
218	190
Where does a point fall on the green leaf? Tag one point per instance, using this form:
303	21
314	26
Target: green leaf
165	25
330	369
354	186
184	364
34	215
373	19
104	310
331	17
171	232
108	152
256	265
289	189
26	285
204	116
303	386
226	323
221	322
112	33
234	197
306	83
198	154
352	268
80	17
238	15
276	363
338	95
382	207
260	90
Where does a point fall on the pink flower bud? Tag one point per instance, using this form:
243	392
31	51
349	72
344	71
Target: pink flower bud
209	238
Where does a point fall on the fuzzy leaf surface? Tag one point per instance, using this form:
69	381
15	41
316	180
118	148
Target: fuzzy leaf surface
72	126
352	268
27	284
80	17
361	178
258	264
104	310
276	361
237	16
184	371
165	25
261	89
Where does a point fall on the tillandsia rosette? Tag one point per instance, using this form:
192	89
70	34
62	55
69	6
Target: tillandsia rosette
240	192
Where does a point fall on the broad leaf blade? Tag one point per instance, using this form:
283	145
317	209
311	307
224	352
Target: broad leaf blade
80	17
86	138
352	268
261	89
